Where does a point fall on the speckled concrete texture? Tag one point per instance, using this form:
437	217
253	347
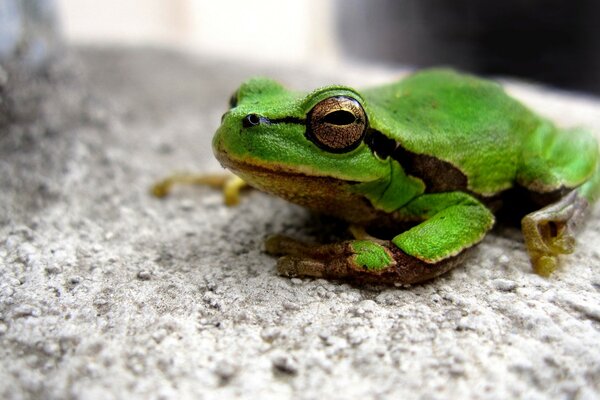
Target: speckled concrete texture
108	293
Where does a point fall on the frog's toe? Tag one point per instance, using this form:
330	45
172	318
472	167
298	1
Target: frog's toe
557	236
563	244
292	266
281	245
278	245
311	260
545	264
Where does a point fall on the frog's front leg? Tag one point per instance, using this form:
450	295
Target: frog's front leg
359	260
453	223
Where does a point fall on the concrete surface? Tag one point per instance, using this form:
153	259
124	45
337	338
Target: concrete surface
108	293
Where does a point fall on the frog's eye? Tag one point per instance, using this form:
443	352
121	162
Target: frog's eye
337	124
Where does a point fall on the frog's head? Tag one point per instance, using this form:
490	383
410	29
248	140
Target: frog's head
297	145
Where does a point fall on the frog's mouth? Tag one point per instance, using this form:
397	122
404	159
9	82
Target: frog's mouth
324	194
269	176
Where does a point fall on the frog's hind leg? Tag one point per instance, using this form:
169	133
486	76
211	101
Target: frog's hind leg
554	158
550	231
591	189
357	260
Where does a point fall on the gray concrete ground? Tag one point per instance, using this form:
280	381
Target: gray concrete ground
106	292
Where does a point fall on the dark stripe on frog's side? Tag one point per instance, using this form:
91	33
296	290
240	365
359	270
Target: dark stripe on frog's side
438	175
442	176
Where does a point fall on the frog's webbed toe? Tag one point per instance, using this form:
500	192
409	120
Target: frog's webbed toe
550	231
357	260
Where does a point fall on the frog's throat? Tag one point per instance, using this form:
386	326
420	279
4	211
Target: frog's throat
323	194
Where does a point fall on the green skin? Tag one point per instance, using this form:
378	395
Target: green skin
456	145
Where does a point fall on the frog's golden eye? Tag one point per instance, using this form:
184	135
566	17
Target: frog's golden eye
337	124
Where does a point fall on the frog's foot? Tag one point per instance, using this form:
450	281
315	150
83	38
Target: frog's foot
359	260
549	232
231	185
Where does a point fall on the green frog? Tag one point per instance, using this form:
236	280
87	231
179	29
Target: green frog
426	162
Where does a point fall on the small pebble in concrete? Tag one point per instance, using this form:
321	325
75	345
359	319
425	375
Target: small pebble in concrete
144	275
226	371
285	364
504	285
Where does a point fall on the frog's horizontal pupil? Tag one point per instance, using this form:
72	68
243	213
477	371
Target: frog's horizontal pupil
340	117
337	124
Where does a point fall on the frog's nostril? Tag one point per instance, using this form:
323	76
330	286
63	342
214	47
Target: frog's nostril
250	120
223	116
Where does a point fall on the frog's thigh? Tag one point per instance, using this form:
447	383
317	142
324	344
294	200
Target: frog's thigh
553	158
453	222
590	190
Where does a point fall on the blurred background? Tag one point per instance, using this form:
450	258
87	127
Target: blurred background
552	41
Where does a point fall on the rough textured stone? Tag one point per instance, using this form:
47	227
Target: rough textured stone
106	292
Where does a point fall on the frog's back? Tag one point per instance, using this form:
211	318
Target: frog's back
466	121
